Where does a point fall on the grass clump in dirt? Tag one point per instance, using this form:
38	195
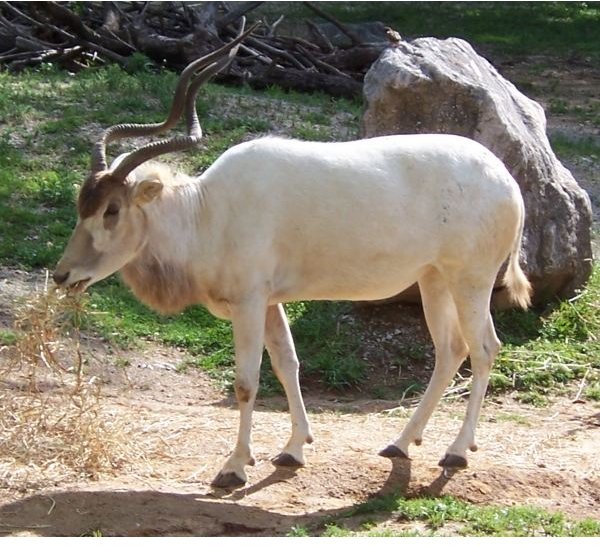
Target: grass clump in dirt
395	515
553	351
53	422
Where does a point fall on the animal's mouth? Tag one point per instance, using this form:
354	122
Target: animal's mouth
79	286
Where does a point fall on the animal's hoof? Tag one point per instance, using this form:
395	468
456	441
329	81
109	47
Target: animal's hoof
228	480
393	452
285	459
453	461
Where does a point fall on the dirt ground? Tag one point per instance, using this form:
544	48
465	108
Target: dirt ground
184	427
545	457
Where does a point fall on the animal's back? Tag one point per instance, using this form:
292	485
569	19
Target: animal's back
377	210
427	169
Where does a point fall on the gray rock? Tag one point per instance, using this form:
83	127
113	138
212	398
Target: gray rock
443	86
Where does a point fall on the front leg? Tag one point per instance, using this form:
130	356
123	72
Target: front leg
248	319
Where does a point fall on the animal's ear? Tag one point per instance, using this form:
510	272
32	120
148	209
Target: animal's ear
147	190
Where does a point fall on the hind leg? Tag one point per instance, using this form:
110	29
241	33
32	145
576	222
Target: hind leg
473	304
450	351
280	346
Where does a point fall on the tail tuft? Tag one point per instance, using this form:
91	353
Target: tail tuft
519	287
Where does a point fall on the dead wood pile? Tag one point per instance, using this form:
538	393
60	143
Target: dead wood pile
77	35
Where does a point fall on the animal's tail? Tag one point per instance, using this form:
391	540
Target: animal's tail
519	287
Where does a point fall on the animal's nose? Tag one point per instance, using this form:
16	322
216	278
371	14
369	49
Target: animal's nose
60	278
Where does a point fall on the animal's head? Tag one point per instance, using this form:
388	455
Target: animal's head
111	226
110	229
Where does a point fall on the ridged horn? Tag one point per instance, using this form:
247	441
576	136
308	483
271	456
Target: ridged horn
184	99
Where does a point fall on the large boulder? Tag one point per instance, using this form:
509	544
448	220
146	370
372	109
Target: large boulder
443	86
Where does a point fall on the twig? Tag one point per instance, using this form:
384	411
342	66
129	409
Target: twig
235	14
326	45
322	64
64	14
355	38
37	23
72	39
52	506
581	385
256	54
122	13
291	41
26	43
275	51
272	28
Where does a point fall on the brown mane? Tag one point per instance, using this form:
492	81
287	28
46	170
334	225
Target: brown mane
164	287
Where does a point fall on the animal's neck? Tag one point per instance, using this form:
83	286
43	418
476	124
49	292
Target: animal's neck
163	274
174	222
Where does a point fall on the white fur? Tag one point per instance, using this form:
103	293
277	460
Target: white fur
275	220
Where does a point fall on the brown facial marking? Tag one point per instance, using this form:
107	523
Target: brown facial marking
81	245
96	190
111	215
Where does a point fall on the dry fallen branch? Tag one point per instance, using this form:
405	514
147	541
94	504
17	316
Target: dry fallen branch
356	40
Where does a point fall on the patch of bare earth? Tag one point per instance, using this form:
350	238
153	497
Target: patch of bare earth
540	457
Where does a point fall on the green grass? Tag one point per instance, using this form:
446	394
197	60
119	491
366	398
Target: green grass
587	111
569	147
547	353
560	28
443	516
516	418
97	533
8	336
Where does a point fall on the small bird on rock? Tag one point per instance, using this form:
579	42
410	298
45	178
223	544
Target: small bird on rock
393	35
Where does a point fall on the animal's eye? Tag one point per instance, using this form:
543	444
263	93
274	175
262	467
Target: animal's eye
111	210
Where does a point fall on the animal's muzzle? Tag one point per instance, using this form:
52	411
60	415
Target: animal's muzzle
60	278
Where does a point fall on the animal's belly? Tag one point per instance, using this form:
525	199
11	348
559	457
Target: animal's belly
353	285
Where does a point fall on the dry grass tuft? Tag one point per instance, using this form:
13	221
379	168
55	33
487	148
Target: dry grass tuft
53	424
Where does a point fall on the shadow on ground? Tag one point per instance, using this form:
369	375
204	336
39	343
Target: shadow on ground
158	513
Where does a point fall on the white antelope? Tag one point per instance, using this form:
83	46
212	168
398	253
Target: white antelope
276	220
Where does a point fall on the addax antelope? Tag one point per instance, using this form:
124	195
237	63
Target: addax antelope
276	220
